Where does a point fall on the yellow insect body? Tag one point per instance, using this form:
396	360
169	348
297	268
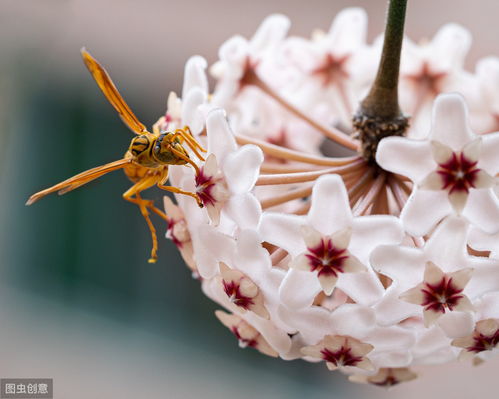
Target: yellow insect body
146	161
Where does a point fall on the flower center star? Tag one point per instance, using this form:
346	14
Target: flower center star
441	296
204	188
458	173
341	357
332	70
427	79
483	342
326	258
232	289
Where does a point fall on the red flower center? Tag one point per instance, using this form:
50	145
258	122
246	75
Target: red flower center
341	357
233	292
484	343
332	70
458	174
441	296
326	258
204	188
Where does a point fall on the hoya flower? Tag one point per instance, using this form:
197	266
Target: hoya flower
485	116
440	292
435	280
240	57
328	246
385	377
332	66
228	174
485	337
375	260
178	232
430	68
246	335
452	170
242	291
339	351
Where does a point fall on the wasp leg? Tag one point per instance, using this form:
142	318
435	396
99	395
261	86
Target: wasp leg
186	134
186	159
187	131
177	190
143	205
179	133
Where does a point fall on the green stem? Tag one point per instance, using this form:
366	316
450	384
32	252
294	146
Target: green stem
379	113
382	100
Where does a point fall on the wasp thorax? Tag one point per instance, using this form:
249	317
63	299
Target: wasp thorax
139	144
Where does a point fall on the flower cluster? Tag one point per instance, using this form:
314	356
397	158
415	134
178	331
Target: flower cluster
371	268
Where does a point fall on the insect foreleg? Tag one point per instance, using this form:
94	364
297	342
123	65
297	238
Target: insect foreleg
185	158
191	142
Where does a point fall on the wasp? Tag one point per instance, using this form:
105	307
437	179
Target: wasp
146	161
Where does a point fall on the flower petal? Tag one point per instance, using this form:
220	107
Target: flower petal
299	289
489	160
327	282
220	137
483	210
441	153
433	274
388	231
241	168
284	231
322	216
456	324
245	210
432	182
450	121
195	75
430	317
458	200
411	158
423	210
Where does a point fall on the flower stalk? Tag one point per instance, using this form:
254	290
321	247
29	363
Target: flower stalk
379	114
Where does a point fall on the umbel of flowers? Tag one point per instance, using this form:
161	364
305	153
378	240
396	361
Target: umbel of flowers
370	265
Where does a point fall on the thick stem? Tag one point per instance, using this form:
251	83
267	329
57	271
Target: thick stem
379	114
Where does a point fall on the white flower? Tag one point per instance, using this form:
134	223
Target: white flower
373	267
330	241
451	170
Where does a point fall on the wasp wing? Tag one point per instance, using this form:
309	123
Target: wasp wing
107	86
79	180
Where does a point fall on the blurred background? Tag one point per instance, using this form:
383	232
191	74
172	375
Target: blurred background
78	301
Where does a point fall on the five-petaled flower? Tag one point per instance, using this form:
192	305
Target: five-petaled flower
451	170
242	291
485	337
328	256
341	351
440	292
246	334
457	172
386	377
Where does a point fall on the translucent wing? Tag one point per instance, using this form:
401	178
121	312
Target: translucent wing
111	92
79	180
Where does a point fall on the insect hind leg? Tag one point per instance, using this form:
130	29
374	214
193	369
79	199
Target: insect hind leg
144	205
